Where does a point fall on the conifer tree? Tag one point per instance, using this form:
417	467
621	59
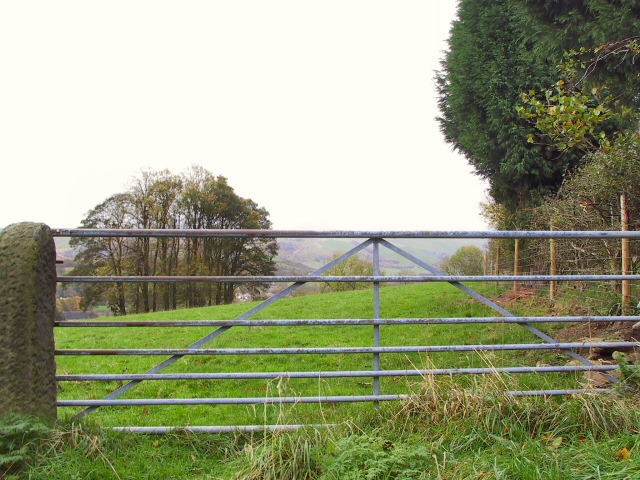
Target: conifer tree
499	49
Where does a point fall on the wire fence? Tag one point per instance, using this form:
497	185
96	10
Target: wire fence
576	257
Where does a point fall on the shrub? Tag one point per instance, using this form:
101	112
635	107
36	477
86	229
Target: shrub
17	437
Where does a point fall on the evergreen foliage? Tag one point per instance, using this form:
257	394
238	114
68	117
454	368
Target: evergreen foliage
500	49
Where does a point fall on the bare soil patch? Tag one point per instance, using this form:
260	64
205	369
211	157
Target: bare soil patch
580	332
509	296
617	331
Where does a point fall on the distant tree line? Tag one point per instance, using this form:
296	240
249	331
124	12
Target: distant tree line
195	200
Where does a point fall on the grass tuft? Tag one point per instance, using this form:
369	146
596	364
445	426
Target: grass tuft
283	456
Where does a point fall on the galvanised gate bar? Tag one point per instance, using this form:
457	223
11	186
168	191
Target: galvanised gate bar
370	239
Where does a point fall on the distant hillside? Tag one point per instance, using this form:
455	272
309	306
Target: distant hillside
296	254
300	256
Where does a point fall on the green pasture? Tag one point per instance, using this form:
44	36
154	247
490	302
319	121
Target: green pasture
413	300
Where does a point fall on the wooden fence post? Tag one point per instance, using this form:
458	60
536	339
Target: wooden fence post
497	262
516	261
626	284
553	286
485	270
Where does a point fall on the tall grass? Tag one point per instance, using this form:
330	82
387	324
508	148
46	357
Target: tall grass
454	427
444	430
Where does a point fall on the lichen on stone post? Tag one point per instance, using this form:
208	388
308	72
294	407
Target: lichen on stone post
27	313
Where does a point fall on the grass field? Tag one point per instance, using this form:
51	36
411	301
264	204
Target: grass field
451	427
436	300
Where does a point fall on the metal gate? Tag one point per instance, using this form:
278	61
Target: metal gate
375	241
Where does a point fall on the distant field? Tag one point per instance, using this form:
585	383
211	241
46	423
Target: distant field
426	300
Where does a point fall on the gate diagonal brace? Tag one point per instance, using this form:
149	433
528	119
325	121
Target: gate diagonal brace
291	288
491	305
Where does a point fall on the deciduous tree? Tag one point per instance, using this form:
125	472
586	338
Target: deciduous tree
195	200
352	266
467	260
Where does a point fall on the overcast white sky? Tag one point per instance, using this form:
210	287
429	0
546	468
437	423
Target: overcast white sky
323	112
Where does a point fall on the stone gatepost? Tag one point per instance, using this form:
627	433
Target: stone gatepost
27	313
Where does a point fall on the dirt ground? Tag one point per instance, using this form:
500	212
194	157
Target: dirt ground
614	331
582	332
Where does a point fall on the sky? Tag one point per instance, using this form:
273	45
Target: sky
322	112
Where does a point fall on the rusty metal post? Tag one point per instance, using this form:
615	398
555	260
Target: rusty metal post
27	315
